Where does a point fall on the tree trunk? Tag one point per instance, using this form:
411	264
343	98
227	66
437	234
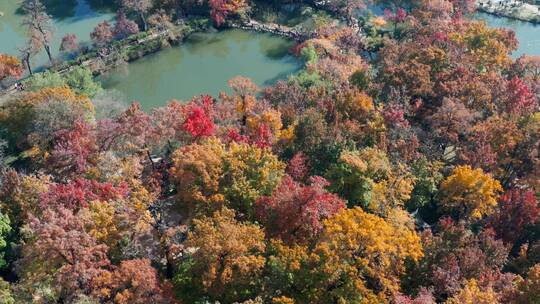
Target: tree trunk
48	50
27	61
143	19
45	44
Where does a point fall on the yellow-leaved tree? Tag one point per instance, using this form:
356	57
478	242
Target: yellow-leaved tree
249	173
209	174
528	289
223	259
491	48
471	293
469	193
360	258
196	172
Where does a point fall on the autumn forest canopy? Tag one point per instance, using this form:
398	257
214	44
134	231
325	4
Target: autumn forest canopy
400	165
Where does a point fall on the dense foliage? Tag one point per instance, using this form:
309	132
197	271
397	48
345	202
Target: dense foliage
400	165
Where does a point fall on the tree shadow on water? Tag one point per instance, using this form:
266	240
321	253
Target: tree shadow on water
274	47
281	76
277	51
60	9
57	9
103	6
78	9
204	44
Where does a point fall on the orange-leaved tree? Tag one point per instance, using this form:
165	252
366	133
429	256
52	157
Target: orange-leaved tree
10	67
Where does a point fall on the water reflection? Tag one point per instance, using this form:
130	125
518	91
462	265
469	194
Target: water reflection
204	64
274	50
69	16
60	9
202	45
103	6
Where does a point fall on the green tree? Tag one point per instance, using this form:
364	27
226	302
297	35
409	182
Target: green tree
81	81
6	296
5	229
248	173
47	79
428	176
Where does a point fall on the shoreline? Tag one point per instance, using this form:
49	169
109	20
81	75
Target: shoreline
271	28
511	9
100	61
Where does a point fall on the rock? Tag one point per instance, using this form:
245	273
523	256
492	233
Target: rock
272	28
511	9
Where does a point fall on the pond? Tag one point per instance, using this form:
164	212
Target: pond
202	65
78	17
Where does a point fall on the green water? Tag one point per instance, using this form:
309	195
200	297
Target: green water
69	16
202	65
